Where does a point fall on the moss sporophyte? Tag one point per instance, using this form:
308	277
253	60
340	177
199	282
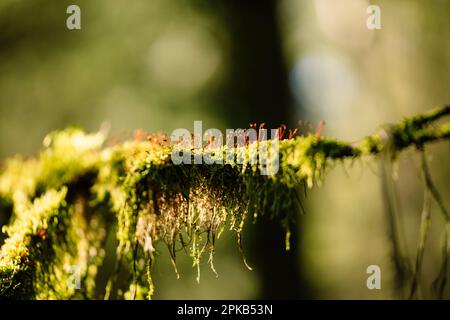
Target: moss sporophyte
243	147
180	191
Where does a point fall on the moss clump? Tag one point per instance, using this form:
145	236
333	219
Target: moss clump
51	227
27	246
63	203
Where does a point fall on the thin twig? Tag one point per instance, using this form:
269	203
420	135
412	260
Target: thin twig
441	280
425	221
438	285
401	264
436	195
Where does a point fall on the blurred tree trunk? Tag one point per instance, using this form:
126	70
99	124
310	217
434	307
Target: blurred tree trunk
256	90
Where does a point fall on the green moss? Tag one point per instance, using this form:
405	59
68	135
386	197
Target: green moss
47	233
20	255
63	202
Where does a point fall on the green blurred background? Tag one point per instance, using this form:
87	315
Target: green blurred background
160	65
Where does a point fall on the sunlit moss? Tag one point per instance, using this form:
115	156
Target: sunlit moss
64	201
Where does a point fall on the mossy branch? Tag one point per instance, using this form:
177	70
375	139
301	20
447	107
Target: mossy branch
64	202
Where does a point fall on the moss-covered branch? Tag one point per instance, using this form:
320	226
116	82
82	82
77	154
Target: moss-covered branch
64	201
